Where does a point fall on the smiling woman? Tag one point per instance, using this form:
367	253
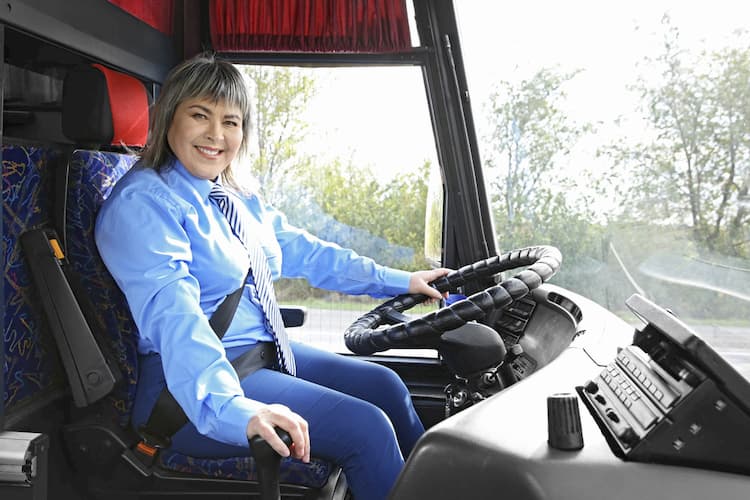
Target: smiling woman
196	115
207	135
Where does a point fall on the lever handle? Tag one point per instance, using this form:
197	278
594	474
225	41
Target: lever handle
267	461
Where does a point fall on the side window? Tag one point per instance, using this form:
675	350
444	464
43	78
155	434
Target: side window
345	153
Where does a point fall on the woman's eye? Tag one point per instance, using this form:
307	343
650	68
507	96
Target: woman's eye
199	116
231	123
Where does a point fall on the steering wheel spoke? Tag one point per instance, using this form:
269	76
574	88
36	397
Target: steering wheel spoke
394	317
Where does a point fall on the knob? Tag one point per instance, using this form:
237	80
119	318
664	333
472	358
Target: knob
564	422
591	387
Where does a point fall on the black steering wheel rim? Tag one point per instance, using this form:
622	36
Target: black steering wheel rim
364	337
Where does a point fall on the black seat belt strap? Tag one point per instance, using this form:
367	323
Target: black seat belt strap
223	315
167	417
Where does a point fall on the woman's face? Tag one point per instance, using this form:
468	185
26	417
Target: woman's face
205	136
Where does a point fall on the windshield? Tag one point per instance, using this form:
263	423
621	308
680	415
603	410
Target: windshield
329	155
620	134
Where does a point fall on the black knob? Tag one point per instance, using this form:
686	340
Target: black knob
629	437
591	387
564	422
262	451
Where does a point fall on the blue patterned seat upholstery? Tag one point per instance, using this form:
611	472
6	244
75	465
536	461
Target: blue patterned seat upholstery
32	369
91	176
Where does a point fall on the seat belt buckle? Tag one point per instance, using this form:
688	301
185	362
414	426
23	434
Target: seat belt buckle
148	448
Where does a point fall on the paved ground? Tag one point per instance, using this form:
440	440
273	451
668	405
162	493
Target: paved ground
326	329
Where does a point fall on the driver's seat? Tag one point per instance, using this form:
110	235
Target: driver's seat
100	440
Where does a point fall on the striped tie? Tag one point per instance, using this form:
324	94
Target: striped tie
261	274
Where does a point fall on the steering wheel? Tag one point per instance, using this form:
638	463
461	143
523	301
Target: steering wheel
364	337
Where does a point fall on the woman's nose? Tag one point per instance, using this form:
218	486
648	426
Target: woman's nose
215	130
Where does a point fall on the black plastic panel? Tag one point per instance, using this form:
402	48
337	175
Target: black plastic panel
97	30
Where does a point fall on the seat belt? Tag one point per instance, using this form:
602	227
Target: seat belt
167	416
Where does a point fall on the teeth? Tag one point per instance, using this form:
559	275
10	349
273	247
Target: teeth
211	152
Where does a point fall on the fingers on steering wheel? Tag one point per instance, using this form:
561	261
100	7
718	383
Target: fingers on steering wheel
438	273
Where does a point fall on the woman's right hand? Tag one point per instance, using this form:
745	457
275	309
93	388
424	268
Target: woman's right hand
276	415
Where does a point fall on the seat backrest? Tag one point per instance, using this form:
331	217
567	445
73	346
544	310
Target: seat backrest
91	176
32	367
117	105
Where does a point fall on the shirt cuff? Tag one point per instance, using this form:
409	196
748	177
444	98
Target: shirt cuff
232	428
396	281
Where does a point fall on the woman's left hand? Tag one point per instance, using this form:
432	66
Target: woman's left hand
419	283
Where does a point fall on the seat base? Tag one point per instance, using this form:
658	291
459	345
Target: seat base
102	460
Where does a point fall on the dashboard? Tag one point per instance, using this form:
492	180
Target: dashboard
500	446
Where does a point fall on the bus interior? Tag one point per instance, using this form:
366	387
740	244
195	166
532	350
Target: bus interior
529	385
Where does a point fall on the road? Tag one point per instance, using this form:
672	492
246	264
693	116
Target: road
325	328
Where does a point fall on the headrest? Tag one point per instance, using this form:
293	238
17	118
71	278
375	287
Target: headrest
104	107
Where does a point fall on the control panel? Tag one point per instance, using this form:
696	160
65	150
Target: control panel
670	398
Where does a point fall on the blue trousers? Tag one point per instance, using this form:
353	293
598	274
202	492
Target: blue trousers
360	414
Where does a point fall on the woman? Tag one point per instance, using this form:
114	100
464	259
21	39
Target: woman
176	256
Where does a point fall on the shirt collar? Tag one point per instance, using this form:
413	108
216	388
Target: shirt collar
202	186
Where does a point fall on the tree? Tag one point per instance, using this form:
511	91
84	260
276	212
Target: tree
531	138
391	213
281	95
696	169
530	134
403	208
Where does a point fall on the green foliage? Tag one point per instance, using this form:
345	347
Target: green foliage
683	191
336	194
392	210
696	171
351	194
404	204
530	134
531	137
345	192
280	97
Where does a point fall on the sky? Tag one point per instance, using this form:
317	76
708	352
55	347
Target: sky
604	39
395	133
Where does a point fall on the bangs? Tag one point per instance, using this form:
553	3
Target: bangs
218	82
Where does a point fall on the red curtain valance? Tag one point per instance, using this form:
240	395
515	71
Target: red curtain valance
157	13
309	25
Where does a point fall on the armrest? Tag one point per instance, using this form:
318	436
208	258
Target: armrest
293	315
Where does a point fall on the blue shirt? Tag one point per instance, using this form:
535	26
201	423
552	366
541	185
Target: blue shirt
174	256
